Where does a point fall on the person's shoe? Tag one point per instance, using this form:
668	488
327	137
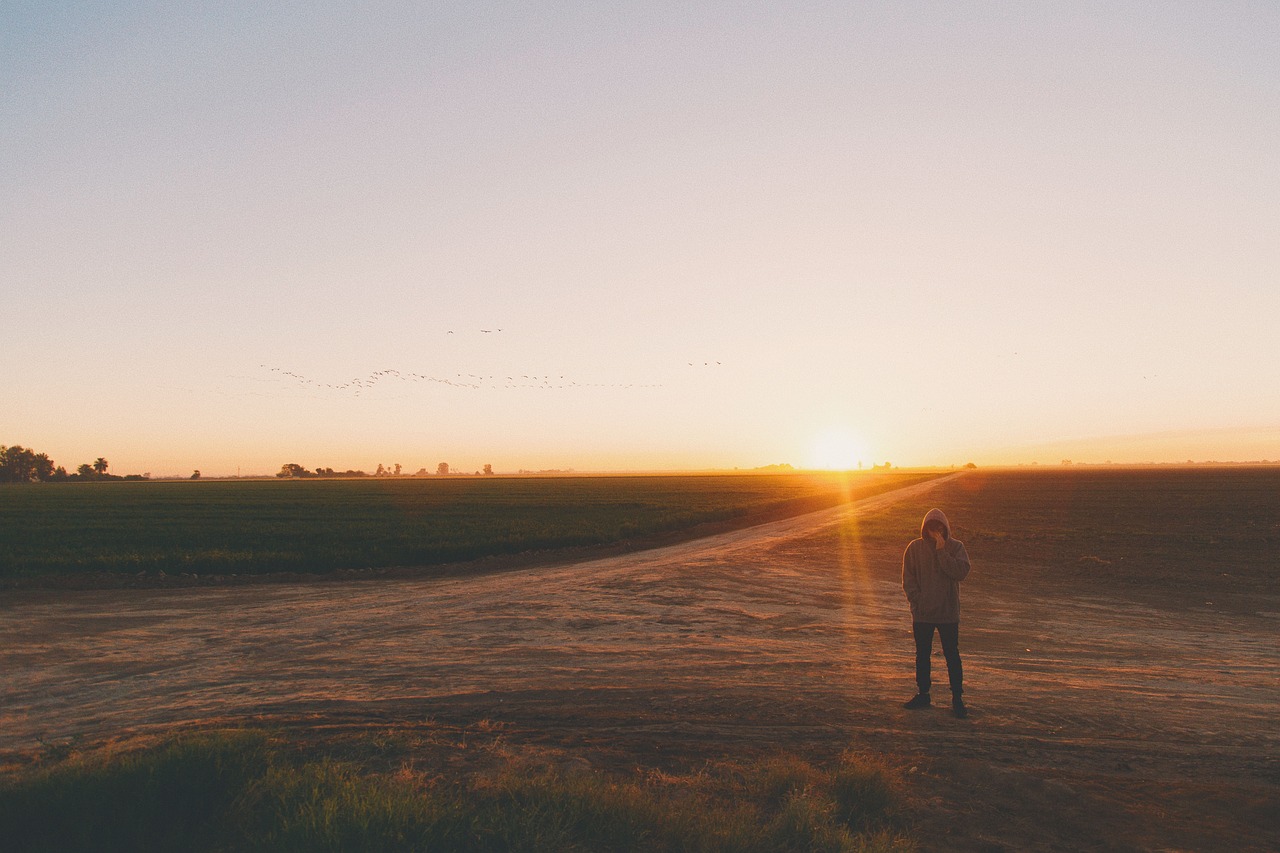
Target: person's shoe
920	700
958	708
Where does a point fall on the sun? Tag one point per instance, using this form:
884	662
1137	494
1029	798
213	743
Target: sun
837	449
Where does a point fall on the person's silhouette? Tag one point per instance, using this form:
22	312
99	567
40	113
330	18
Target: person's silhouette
932	568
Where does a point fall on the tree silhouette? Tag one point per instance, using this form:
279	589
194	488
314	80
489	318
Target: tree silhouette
85	470
42	466
100	466
20	464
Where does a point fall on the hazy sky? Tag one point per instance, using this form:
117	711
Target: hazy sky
742	233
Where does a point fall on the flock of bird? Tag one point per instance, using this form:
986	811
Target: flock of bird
469	381
472	381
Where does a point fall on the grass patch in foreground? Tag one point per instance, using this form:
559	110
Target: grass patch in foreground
247	791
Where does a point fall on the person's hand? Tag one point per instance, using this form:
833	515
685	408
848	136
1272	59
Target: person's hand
939	541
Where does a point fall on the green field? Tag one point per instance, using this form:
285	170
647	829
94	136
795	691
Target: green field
258	527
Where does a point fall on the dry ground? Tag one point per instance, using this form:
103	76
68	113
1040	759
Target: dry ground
1108	719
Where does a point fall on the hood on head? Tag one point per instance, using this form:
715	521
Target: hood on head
936	515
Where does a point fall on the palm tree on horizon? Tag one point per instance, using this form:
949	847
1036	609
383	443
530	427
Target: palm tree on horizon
100	465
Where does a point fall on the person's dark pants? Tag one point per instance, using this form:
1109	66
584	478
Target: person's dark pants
949	633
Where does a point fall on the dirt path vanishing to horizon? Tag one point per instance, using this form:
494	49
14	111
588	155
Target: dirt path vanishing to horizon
1098	722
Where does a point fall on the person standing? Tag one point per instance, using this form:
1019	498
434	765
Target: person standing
932	568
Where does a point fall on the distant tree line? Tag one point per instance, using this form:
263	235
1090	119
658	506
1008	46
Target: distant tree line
292	470
19	464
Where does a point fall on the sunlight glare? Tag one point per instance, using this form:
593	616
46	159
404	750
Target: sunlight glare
837	450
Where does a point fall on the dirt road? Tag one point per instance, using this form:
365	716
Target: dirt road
1096	724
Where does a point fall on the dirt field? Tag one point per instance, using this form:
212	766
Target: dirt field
1107	714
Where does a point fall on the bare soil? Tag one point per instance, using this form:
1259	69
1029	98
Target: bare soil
1106	714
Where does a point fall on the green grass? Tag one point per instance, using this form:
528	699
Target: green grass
250	527
247	790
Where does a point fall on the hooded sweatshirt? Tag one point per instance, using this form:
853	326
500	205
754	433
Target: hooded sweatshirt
931	577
